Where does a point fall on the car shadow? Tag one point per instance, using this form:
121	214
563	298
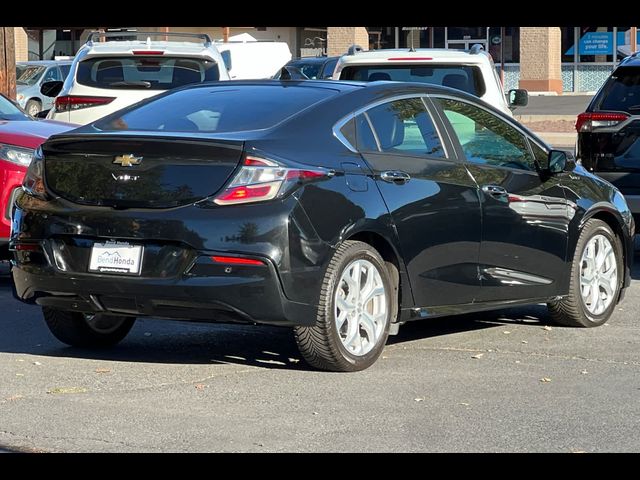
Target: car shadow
23	331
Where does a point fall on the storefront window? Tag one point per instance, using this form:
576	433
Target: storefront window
623	42
567	41
595	44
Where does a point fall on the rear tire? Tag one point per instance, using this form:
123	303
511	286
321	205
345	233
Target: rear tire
597	274
354	312
83	330
33	107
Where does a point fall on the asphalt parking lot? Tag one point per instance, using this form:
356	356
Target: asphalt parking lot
504	381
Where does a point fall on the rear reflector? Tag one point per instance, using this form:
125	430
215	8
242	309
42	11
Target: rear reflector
68	103
587	121
409	58
27	247
148	52
236	261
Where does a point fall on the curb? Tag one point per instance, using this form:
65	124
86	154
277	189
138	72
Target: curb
559	139
544	118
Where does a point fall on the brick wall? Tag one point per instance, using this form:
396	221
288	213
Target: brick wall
21	44
540	59
339	39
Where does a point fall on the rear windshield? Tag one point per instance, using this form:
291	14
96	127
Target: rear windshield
463	77
28	75
145	72
622	91
218	109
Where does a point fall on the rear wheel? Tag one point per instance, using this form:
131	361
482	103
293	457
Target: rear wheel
33	107
87	330
596	278
354	312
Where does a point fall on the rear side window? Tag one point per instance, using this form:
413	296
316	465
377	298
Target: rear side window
217	109
462	77
145	72
404	126
622	91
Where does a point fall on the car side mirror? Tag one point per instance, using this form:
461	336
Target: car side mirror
557	161
52	88
518	98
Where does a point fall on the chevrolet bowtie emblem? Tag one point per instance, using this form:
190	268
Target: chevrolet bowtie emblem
127	160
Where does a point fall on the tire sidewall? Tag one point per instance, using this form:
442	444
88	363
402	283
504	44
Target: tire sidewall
364	361
599	228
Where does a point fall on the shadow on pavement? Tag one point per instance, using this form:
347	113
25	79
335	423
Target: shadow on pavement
22	330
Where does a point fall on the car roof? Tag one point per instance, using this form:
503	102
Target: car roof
126	47
630	61
44	63
417	55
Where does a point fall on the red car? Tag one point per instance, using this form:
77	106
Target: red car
20	135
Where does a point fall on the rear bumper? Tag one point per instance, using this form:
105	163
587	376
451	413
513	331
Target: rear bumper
245	294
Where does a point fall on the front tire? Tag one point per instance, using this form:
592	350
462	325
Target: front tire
84	330
354	311
597	274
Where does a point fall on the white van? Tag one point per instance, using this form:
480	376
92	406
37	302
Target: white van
247	58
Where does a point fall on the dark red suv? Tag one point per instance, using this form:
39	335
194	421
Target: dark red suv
20	135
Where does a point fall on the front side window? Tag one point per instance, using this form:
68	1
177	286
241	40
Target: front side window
53	74
405	127
486	138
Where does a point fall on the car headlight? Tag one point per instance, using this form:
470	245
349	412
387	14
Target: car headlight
18	155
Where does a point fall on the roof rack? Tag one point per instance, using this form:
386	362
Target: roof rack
96	34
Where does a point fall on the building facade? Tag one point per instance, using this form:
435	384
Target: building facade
557	59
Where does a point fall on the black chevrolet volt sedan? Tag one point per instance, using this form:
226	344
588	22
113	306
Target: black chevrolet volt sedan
340	209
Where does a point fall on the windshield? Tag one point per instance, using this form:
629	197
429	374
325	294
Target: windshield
622	91
462	77
28	74
8	111
217	109
145	72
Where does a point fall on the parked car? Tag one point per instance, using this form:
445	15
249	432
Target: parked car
29	78
314	68
253	59
340	209
107	76
471	71
20	135
609	132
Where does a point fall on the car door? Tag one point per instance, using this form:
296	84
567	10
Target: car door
524	212
52	74
433	201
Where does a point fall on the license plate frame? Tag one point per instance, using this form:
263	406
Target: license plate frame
116	258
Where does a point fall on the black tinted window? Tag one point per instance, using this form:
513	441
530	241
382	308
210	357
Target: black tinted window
622	91
217	109
365	141
151	72
404	126
329	67
462	77
487	138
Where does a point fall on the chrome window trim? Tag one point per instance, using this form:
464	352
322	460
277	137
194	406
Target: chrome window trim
373	131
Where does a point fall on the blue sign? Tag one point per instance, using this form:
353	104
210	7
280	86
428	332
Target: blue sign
594	43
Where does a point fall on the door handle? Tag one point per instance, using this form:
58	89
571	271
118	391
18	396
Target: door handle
495	191
395	176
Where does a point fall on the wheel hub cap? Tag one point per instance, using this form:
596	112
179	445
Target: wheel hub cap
361	310
598	275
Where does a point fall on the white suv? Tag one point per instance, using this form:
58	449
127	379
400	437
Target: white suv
472	71
109	75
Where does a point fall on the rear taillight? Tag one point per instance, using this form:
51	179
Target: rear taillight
68	103
260	179
587	121
33	182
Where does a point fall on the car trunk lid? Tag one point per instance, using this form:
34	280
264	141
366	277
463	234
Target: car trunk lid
138	171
